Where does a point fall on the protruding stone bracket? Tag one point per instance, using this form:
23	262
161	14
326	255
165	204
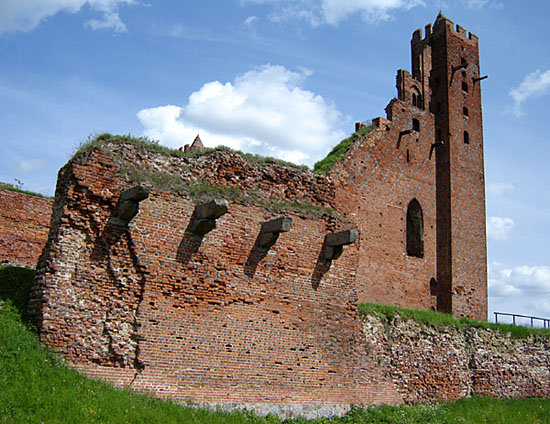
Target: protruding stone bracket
335	242
463	65
478	79
205	216
271	229
128	204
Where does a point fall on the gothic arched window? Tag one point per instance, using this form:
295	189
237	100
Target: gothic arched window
415	230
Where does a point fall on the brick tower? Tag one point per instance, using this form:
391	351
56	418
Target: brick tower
446	63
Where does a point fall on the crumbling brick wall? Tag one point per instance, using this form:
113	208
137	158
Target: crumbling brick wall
24	224
213	318
429	363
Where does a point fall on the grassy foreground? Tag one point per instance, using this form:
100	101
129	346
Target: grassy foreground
36	387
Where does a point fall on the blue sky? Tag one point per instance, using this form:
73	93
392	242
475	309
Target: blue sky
284	78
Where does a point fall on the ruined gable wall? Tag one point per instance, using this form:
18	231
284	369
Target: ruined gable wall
213	319
381	174
24	223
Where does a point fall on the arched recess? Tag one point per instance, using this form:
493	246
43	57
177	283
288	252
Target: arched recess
415	230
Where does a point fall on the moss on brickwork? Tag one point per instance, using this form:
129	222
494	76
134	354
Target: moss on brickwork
339	151
439	319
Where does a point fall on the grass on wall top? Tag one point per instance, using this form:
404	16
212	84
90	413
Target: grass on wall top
339	151
440	319
19	190
150	145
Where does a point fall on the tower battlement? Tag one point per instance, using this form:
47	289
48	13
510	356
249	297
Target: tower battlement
438	27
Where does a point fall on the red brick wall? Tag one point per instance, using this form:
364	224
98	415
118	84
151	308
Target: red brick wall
205	320
24	223
374	186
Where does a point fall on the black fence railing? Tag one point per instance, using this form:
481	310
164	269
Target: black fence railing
545	321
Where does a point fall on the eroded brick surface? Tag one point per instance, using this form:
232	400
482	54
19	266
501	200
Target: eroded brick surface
24	224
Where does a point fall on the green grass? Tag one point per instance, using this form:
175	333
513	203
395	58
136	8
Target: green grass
36	387
339	151
19	190
439	319
147	144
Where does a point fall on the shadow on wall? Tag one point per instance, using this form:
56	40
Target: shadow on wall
257	254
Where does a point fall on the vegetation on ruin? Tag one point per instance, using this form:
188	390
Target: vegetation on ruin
339	151
150	145
440	319
20	190
201	190
36	387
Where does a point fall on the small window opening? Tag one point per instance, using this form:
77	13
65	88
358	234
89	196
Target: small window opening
408	156
466	137
433	287
464	86
416	125
463	74
415	230
465	111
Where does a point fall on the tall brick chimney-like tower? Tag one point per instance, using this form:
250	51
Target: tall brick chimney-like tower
446	63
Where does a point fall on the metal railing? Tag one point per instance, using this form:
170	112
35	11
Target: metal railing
545	321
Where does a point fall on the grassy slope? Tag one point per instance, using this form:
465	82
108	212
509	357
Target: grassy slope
36	387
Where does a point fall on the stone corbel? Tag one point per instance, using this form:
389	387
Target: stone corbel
205	216
271	229
128	204
335	242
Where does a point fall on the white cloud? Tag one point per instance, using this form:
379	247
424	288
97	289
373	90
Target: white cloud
521	289
481	4
498	228
332	12
25	15
250	20
498	189
534	85
29	165
264	111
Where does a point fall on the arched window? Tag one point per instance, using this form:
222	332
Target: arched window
466	137
415	230
416	125
464	86
465	111
416	98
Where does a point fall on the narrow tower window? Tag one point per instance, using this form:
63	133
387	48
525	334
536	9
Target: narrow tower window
416	125
466	137
464	86
465	111
415	230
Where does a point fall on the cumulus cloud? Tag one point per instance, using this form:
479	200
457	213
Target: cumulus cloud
265	111
534	85
521	289
332	12
499	189
25	15
498	228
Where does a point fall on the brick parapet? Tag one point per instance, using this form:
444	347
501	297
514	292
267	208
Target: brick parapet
24	224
